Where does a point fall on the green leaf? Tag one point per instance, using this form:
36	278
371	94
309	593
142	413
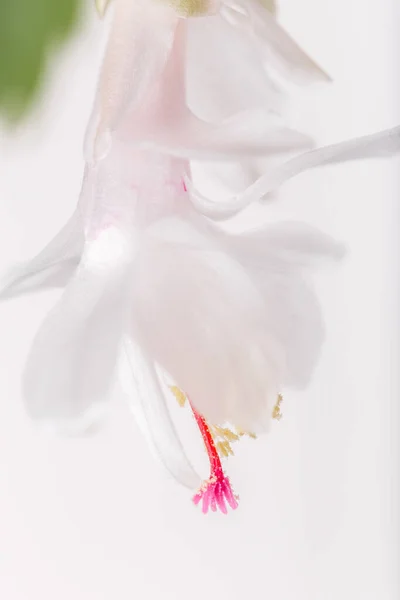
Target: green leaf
29	30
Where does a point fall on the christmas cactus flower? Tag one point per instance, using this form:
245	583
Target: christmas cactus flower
229	320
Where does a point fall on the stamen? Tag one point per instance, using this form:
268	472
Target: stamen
276	411
193	8
180	397
216	491
225	436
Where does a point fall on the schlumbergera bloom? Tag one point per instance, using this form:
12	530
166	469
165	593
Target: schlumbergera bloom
222	321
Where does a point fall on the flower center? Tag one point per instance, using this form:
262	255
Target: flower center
194	8
184	8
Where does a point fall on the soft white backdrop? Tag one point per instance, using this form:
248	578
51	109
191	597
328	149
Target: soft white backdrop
96	518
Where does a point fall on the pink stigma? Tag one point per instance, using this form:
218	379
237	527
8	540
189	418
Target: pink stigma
216	490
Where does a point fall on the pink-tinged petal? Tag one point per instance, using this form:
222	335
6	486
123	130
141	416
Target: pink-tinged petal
182	295
281	257
283	246
71	364
282	53
52	267
140	40
255	133
221	84
168	126
148	404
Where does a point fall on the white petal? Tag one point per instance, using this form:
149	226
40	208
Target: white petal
148	404
168	126
277	256
291	242
379	145
201	317
253	133
71	364
281	51
141	37
222	83
53	266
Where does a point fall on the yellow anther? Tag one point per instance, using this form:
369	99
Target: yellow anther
101	6
276	411
179	395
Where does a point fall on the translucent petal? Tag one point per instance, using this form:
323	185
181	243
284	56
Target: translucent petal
253	133
71	364
197	312
221	84
52	267
290	242
168	126
148	404
140	40
279	257
282	53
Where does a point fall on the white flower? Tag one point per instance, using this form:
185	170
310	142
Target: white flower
231	318
229	60
149	279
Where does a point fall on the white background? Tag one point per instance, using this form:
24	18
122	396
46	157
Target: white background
96	518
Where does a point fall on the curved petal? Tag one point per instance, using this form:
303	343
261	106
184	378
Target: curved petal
196	311
249	134
71	364
148	404
379	145
278	257
52	267
169	126
140	40
222	83
291	242
282	53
